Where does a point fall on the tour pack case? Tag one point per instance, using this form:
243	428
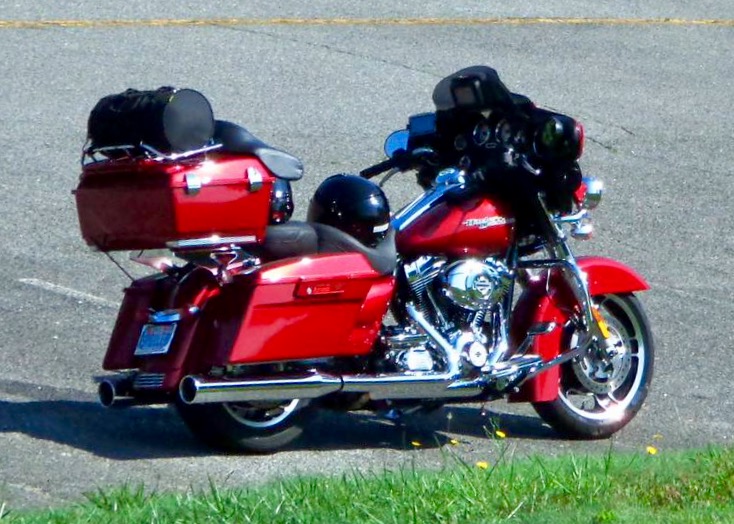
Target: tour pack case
130	204
152	177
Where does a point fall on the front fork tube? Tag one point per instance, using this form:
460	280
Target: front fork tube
562	258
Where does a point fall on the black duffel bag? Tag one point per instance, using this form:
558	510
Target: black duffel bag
169	120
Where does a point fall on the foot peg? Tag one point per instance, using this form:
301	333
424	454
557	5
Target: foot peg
510	373
542	328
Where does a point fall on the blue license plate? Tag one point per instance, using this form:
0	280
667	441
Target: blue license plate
155	339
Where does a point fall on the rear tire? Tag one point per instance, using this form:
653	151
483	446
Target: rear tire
261	427
598	396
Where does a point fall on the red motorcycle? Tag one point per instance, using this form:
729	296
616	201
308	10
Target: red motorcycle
470	293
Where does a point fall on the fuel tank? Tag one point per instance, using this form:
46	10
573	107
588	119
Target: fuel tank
478	227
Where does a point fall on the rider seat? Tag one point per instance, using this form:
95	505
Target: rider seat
295	238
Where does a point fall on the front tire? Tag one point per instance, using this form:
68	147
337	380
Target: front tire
598	395
261	427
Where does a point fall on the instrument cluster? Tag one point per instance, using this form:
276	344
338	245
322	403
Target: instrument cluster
490	134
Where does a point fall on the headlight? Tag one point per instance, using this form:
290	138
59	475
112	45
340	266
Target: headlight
594	190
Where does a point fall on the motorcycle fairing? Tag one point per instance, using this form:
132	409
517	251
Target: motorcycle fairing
547	299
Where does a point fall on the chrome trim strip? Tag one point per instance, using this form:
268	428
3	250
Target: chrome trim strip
149	380
214	240
159	155
423	203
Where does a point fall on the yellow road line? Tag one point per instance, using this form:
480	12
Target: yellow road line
233	22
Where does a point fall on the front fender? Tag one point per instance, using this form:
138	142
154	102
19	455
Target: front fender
548	299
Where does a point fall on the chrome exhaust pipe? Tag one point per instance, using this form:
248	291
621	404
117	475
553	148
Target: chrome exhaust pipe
116	393
107	392
195	389
202	390
425	385
206	390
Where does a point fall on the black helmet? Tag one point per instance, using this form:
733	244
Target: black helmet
354	205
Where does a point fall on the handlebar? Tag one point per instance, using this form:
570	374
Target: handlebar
377	169
401	160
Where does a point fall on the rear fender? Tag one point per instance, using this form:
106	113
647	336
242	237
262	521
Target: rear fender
160	292
547	298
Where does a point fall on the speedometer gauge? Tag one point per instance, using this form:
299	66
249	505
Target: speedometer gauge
481	134
504	132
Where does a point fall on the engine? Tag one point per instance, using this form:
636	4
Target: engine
464	300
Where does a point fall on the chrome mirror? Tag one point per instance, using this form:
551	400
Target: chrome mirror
396	141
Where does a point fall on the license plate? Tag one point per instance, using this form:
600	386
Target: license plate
155	339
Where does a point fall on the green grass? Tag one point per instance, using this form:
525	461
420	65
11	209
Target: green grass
666	488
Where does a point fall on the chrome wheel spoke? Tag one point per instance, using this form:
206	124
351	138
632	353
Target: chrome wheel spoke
603	386
608	402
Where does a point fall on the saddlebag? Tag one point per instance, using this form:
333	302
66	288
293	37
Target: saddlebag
169	120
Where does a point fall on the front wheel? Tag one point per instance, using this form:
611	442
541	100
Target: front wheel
257	427
599	394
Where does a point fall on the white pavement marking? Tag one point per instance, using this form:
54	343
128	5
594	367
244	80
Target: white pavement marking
68	292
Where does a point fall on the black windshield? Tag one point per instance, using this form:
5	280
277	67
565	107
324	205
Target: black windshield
493	92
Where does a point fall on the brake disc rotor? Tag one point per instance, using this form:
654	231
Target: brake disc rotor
602	374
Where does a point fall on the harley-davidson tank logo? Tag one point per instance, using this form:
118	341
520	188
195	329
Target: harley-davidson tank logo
485	222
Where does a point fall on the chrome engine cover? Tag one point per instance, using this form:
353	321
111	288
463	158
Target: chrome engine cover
475	284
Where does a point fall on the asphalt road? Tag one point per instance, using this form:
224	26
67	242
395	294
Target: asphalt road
656	99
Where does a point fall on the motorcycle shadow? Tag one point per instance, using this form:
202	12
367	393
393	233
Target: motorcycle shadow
431	429
136	433
157	432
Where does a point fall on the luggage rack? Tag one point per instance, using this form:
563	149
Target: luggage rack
92	155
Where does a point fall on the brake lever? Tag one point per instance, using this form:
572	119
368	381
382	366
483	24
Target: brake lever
515	159
388	176
527	166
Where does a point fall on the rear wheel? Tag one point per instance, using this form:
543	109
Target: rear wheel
257	427
598	393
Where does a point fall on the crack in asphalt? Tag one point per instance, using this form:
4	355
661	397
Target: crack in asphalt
335	50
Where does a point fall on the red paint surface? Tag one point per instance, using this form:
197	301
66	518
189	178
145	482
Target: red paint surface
156	294
476	227
142	204
282	321
554	302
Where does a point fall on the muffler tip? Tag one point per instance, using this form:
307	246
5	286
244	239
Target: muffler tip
107	393
187	389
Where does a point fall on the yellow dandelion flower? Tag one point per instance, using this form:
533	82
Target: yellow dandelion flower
454	442
651	450
482	464
415	444
500	434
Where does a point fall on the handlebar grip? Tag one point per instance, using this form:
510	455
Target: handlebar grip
377	169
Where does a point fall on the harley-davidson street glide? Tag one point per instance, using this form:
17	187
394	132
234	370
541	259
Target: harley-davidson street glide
470	293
